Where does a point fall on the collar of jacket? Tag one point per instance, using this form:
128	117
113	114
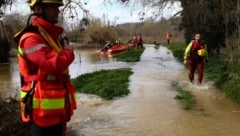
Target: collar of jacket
53	30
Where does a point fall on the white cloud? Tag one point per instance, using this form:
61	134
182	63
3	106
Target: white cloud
111	11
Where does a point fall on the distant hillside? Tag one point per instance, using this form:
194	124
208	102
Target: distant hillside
152	31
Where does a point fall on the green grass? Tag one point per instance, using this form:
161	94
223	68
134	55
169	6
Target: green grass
226	76
178	50
229	81
131	55
107	84
187	99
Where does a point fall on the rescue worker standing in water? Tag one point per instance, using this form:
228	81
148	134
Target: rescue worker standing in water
168	37
196	53
47	95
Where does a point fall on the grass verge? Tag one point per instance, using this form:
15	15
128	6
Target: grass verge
107	84
131	55
187	99
226	76
178	50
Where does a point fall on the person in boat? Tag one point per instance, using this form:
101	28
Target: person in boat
134	41
117	41
139	41
107	46
196	54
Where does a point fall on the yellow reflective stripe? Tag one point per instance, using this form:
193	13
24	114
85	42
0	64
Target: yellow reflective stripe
50	104
20	52
35	103
23	94
35	100
187	50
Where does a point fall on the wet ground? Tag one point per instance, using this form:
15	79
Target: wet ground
150	109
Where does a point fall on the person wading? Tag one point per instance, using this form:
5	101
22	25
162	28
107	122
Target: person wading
139	41
47	95
196	53
168	37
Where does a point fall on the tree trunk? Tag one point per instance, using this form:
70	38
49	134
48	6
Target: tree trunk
4	44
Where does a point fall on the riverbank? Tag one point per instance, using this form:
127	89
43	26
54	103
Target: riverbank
131	55
109	84
226	76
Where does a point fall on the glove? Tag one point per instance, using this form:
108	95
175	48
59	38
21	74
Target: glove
185	62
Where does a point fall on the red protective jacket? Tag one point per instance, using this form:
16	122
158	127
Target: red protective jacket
168	36
54	96
138	39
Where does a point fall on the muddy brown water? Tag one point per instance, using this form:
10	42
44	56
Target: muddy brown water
150	109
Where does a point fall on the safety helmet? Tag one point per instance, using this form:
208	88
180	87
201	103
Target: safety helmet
201	52
32	3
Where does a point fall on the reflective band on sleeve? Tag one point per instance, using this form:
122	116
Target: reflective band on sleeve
187	50
20	52
31	50
22	94
51	104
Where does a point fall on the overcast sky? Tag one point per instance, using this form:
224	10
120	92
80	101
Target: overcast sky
113	12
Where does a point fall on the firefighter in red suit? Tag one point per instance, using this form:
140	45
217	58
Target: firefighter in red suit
139	41
47	95
196	54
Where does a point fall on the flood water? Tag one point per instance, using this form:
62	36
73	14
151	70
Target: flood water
150	109
9	79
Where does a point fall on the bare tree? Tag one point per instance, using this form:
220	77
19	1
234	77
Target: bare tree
6	2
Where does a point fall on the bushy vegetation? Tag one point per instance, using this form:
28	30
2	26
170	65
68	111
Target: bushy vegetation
4	44
228	80
218	21
107	84
11	124
207	20
178	50
8	27
98	32
152	30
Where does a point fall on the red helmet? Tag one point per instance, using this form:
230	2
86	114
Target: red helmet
32	3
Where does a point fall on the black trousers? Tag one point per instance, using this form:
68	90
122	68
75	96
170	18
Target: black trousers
56	130
139	45
168	41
